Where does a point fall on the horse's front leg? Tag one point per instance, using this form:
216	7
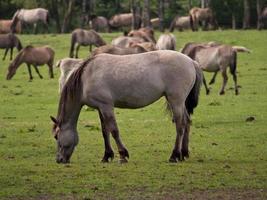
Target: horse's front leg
206	86
5	53
111	126
35	28
90	48
77	49
37	71
11	53
213	78
30	72
109	154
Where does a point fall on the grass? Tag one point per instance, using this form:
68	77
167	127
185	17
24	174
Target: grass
228	154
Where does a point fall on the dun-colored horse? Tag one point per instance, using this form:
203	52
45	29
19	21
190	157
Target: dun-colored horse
215	58
180	23
30	16
85	38
166	42
5	27
99	23
9	41
34	56
107	81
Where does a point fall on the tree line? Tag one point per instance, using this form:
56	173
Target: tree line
65	15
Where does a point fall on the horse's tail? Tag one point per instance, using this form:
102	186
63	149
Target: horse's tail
73	41
58	63
192	99
233	63
241	49
172	26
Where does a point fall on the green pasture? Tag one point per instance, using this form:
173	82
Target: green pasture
228	152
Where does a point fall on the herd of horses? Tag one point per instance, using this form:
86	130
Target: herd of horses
132	72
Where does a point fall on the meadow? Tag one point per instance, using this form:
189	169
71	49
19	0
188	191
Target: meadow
228	137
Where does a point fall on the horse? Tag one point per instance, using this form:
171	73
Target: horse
107	81
84	38
262	18
35	56
123	20
66	66
99	23
125	41
203	15
181	23
133	49
166	42
30	16
215	58
146	33
5	27
9	41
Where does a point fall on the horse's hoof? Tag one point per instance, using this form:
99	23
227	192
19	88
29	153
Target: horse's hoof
173	160
222	93
108	156
124	154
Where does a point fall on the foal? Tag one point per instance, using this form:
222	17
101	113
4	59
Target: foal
35	56
9	41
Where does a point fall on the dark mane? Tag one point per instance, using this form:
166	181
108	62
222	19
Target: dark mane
71	89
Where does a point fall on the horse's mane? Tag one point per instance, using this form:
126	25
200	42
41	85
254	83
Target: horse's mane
71	89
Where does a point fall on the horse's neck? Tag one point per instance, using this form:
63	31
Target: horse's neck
18	60
71	113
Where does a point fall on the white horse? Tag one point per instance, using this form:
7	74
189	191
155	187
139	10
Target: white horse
31	16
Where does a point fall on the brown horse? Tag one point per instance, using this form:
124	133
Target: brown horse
99	23
5	27
205	16
133	49
84	38
35	56
215	58
9	41
145	33
123	20
180	23
107	81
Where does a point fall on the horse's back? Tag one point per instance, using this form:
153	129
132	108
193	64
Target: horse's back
127	82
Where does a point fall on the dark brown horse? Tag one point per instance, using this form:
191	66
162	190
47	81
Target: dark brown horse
9	41
107	81
35	56
85	38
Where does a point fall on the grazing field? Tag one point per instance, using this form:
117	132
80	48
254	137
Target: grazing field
228	141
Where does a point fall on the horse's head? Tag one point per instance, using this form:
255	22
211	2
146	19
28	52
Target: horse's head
11	70
66	139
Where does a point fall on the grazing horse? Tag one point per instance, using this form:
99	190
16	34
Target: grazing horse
181	23
66	66
9	41
133	49
215	58
5	27
166	42
84	38
203	15
107	81
262	18
99	23
30	16
126	41
35	56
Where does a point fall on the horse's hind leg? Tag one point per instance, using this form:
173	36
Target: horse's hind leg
109	154
37	71
206	86
111	126
185	149
50	66
30	72
213	78
179	120
225	79
5	53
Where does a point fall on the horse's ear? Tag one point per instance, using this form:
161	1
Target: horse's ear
54	120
